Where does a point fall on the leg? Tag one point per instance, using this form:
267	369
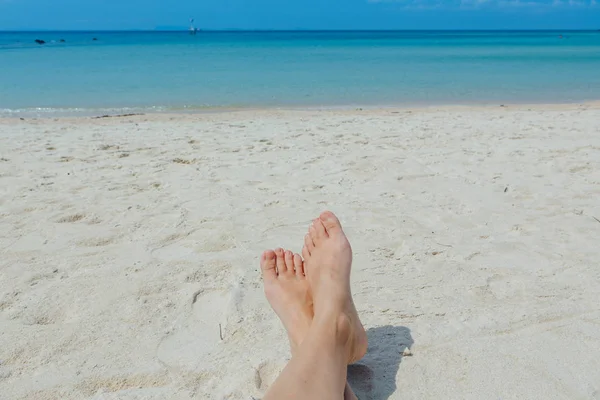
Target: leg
288	293
318	370
336	336
349	394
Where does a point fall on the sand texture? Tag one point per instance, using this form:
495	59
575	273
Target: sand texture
129	250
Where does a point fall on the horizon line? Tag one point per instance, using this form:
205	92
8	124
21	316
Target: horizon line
298	30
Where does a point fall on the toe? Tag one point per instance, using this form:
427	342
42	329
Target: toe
281	267
330	222
319	229
267	265
298	266
305	253
308	243
289	262
316	237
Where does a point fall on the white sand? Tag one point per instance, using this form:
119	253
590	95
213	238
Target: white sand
125	242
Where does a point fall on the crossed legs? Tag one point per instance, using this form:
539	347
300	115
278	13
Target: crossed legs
311	295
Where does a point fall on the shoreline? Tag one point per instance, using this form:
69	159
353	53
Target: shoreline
134	112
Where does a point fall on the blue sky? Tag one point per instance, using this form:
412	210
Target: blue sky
300	14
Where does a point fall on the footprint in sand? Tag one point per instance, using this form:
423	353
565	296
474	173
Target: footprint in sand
70	218
97	242
218	271
114	384
266	373
199	332
190	244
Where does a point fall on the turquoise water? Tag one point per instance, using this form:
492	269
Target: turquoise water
174	70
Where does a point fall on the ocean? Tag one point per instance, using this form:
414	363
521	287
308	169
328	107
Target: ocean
175	71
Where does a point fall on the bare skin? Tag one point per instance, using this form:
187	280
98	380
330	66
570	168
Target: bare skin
335	336
289	295
328	261
287	290
318	369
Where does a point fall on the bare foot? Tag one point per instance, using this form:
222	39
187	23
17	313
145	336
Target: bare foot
328	261
288	292
289	295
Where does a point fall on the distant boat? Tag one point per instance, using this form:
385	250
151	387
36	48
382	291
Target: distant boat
193	29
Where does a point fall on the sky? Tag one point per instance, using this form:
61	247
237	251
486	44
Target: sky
299	14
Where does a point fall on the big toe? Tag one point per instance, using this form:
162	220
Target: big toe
268	265
331	223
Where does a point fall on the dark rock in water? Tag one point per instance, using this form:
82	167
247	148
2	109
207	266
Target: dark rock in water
39	41
62	40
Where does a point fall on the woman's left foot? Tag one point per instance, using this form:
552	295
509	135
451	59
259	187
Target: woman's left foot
288	292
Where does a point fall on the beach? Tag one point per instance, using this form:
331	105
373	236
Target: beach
130	247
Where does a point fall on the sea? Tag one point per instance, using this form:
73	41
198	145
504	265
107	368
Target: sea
115	72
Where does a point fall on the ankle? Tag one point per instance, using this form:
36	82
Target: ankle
344	330
335	325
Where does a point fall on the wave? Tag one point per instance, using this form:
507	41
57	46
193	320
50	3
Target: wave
49	112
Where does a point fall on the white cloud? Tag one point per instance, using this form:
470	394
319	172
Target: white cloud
475	4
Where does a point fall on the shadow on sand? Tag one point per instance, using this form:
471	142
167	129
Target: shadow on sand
374	377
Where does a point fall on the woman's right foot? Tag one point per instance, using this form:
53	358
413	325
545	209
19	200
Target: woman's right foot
327	264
